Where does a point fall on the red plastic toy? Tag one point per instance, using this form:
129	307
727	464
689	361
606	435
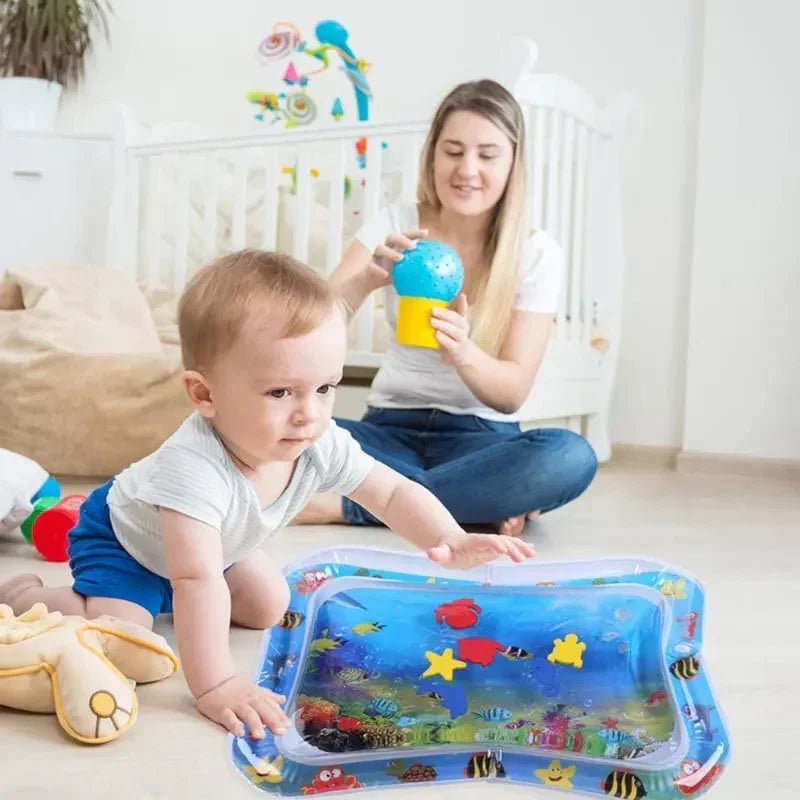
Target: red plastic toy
50	528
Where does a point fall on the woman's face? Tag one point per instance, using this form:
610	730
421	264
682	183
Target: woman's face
471	163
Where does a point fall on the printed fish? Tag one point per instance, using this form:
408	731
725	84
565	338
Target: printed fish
327	642
700	716
310	581
494	714
624	785
675	589
519	723
691	620
459	614
363	628
291	619
516	654
381	707
656	699
350	676
484	765
685	668
281	663
422	719
695	776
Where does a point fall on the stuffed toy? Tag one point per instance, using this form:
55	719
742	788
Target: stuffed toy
82	670
21	479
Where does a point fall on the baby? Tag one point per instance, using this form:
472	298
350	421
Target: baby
182	531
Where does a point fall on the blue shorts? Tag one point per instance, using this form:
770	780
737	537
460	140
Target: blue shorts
102	567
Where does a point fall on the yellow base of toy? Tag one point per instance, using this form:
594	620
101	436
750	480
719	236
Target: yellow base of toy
414	321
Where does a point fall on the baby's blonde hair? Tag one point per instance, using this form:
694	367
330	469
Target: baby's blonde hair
220	296
494	292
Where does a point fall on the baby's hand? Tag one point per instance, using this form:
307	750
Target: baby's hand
467	550
238	702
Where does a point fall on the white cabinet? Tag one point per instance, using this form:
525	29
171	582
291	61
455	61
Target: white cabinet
54	198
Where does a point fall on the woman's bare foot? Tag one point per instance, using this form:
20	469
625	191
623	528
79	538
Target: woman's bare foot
322	509
514	526
18	584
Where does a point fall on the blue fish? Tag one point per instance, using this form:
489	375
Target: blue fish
453	698
381	707
495	714
614	736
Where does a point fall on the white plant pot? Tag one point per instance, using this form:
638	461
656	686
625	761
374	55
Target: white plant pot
28	104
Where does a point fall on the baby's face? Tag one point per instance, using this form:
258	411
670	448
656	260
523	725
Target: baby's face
273	397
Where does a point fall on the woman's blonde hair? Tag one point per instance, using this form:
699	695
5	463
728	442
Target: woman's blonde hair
220	296
495	291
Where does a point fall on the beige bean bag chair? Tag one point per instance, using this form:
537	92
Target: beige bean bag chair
79	669
89	368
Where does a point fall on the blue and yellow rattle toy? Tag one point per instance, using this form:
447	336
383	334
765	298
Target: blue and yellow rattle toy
428	276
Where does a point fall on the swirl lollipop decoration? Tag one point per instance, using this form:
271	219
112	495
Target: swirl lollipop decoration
300	109
282	41
428	276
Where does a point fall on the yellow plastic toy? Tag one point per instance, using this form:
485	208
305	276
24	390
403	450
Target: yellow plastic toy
428	276
443	664
79	669
556	776
568	651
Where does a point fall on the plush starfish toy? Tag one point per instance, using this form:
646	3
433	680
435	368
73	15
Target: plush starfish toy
79	669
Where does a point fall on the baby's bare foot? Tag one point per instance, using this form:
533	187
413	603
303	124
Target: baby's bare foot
18	584
514	526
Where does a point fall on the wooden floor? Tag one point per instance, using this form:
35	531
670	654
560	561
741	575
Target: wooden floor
740	536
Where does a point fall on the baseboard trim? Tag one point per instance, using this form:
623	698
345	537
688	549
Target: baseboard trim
691	461
640	455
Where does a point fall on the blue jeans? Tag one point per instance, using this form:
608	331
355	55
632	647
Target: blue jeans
481	471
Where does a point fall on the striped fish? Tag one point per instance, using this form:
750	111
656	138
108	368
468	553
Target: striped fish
624	785
291	619
685	668
381	707
495	714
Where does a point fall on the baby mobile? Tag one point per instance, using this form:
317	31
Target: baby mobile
295	106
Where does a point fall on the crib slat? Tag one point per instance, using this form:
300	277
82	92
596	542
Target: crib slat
153	197
372	190
410	175
592	154
539	121
552	208
302	213
211	172
269	225
578	311
131	222
181	225
336	207
564	225
239	211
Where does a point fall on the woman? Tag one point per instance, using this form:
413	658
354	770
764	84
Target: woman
447	418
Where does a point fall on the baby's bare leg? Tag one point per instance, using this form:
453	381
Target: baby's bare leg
22	591
259	592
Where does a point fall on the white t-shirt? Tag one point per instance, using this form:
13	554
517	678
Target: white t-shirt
417	377
192	473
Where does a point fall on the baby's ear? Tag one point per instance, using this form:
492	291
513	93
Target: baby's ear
199	393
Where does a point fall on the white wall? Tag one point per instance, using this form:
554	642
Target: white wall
195	59
743	390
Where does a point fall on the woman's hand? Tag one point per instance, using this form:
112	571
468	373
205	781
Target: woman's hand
452	332
386	255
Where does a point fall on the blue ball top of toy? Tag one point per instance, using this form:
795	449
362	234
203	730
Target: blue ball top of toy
431	269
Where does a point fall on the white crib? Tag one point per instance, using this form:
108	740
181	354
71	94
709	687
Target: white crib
181	195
